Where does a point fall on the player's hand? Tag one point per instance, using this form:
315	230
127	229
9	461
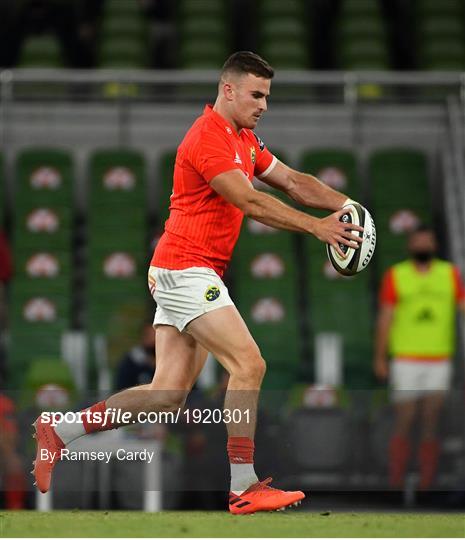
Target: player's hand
334	232
380	367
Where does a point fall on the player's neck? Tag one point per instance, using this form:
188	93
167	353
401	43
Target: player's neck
422	267
223	112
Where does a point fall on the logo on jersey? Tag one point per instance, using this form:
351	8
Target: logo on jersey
253	154
212	293
261	144
238	159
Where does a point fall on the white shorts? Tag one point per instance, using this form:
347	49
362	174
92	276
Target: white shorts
184	295
411	379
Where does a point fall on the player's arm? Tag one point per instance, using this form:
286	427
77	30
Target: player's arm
388	299
461	307
234	186
304	188
459	290
383	328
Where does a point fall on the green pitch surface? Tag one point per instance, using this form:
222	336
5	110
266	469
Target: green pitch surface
221	524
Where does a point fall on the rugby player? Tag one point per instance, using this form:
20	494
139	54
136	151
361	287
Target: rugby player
212	191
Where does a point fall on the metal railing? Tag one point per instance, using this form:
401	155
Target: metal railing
348	87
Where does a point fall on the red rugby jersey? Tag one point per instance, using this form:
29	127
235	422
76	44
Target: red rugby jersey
203	227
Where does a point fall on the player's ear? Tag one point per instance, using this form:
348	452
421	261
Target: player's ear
228	91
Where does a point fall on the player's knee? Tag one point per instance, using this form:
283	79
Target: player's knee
253	368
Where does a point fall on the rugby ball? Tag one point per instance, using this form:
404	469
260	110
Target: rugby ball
355	260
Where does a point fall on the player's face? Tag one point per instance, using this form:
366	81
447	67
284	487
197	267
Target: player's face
249	100
422	242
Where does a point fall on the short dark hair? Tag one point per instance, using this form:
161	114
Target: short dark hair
243	62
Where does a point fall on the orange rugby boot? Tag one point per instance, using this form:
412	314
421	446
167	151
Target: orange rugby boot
49	447
261	497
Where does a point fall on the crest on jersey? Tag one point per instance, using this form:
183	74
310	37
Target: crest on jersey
212	293
253	154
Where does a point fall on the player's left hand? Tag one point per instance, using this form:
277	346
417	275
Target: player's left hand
332	231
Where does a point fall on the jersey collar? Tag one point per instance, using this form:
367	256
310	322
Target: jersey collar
220	120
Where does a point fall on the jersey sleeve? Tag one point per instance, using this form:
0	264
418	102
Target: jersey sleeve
211	155
388	293
459	286
264	160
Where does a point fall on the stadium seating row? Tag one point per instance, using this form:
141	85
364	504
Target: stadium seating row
284	34
283	283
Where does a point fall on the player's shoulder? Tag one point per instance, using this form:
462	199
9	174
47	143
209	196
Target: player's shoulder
406	264
444	264
254	138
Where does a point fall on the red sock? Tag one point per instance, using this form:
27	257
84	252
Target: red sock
96	420
428	456
15	491
399	453
240	450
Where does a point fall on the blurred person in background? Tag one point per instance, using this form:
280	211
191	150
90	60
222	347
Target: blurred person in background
138	365
416	325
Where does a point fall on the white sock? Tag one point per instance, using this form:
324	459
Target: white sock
69	431
242	477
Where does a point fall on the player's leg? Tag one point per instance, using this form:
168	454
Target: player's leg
428	452
436	383
404	382
224	333
179	361
400	445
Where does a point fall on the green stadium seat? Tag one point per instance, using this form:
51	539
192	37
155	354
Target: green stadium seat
48	371
444	7
43	270
368	50
286	54
284	28
441	27
357	8
117	178
201	27
43	228
121	8
125	52
44	177
363	27
405	172
277	9
37	323
117	285
126	28
188	9
336	168
41	51
442	51
203	53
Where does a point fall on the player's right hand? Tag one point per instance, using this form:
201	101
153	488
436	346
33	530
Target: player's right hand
332	231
